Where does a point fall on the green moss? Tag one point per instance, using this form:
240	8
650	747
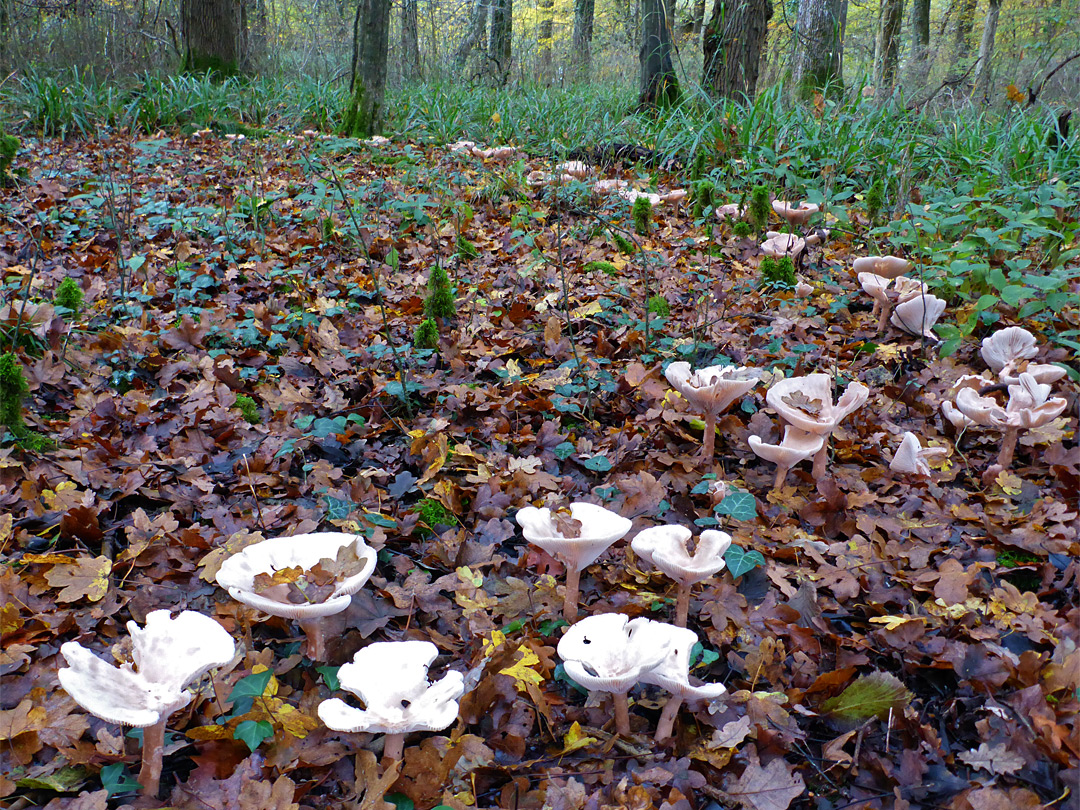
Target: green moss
778	272
466	249
69	295
9	146
875	200
432	513
1010	558
440	301
215	66
607	268
623	244
642	215
361	118
741	229
658	305
759	207
13	389
697	171
703	197
249	409
426	335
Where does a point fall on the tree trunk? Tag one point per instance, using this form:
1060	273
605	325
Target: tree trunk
371	39
544	33
410	40
213	36
659	84
475	35
697	17
733	43
888	47
820	46
986	51
5	27
965	24
581	59
920	43
502	35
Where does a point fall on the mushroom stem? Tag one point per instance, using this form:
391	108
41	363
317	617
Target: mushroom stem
1008	447
682	605
393	747
883	318
666	725
570	596
781	476
710	437
622	713
153	748
316	641
821	459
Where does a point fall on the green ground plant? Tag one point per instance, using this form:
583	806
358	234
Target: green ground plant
778	272
759	208
249	409
69	295
426	335
641	212
440	300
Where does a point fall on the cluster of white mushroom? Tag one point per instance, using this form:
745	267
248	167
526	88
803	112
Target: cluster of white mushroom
902	301
500	153
571	170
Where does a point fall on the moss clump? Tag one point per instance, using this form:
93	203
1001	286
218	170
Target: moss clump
432	513
741	229
623	244
641	212
875	200
9	145
658	305
703	197
697	171
362	115
426	335
607	268
249	409
778	272
13	390
440	301
759	207
466	249
328	229
69	295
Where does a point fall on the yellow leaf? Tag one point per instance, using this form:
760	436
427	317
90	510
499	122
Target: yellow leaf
892	622
585	310
1010	484
49	496
498	638
88	578
520	671
53	559
202	733
292	720
1014	93
513	370
887	351
466	574
496	118
575	738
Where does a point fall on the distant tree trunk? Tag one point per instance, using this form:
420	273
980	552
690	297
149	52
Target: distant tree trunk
986	51
500	42
544	33
410	40
819	48
697	18
733	44
920	43
214	36
371	40
5	28
659	84
581	56
888	47
474	36
965	24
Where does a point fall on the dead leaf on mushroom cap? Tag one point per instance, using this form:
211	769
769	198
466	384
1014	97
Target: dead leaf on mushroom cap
797	399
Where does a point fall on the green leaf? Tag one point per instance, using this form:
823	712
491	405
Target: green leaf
65	780
330	677
739	506
872	695
251	686
564	450
400	801
116	780
740	562
1013	294
253	732
598	463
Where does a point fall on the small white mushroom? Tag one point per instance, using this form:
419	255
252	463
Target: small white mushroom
1007	352
918	314
665	547
391	677
778	245
733	210
798	445
887	266
168	654
796	215
911	458
575	168
711	391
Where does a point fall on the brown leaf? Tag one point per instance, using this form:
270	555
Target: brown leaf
565	524
797	399
773	787
86	578
998	760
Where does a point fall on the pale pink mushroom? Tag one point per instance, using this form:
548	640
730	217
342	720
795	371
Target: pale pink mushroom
631	195
575	168
711	391
887	266
803	290
918	314
733	210
885	291
798	445
911	458
1008	351
783	244
796	215
665	547
609	186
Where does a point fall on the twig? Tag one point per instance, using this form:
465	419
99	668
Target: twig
1033	94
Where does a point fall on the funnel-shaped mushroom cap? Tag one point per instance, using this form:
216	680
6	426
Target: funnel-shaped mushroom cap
674	196
609	653
980	410
665	548
888	266
600	528
783	244
1007	347
795	214
462	146
918	314
730	210
911	457
711	389
169	653
907	288
609	186
575	168
673	673
806	403
631	195
391	677
237	574
798	445
956	416
875	286
1030	405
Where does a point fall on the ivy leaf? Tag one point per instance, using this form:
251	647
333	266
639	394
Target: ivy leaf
330	677
116	780
740	562
249	688
872	695
598	463
253	732
739	506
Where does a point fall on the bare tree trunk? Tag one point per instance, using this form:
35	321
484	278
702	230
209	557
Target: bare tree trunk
581	59
920	43
544	33
410	40
986	51
371	40
474	36
500	42
5	28
733	44
659	84
697	18
888	47
820	46
213	36
965	24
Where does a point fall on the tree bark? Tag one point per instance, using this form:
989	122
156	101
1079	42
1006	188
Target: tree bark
888	47
500	43
920	43
986	51
214	36
659	84
965	24
544	33
584	14
371	40
475	35
733	43
819	48
410	39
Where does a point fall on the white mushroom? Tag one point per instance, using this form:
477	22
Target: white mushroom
911	458
238	573
918	314
778	245
597	529
887	266
796	215
575	168
798	445
1007	352
733	210
711	391
391	677
168	654
665	547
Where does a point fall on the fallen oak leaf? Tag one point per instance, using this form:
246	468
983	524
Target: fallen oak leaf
82	578
773	787
998	760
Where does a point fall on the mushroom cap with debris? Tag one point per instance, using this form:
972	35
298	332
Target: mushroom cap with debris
600	528
665	548
610	652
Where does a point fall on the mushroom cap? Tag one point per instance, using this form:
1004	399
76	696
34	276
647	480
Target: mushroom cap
875	286
918	314
979	410
169	653
733	210
910	457
462	146
798	445
600	528
575	168
795	214
888	266
907	288
609	652
711	389
674	196
391	677
814	387
1008	346
237	573
803	290
673	674
631	195
1030	405
783	244
609	186
665	548
1042	372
